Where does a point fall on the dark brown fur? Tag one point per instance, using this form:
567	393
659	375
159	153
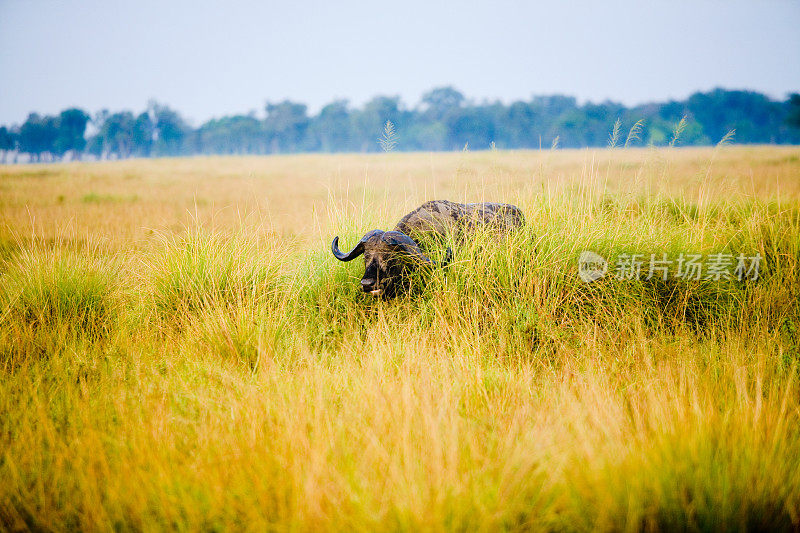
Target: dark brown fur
443	216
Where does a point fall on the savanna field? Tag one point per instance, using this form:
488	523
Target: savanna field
180	350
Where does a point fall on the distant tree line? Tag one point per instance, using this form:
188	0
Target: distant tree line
443	120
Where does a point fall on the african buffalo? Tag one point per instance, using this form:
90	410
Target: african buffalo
389	256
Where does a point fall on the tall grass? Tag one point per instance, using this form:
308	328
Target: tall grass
199	269
50	296
227	380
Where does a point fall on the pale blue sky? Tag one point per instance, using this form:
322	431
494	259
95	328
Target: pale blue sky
212	58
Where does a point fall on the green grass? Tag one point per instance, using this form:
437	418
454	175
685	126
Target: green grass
52	298
94	198
201	269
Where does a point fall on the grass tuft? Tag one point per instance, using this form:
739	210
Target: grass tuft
49	295
200	269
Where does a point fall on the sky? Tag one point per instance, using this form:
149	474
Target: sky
208	59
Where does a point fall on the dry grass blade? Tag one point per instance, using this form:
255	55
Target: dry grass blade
634	134
388	141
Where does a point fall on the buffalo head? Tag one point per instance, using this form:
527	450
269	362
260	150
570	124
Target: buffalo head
389	256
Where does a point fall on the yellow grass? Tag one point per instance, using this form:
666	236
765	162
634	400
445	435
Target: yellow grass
179	349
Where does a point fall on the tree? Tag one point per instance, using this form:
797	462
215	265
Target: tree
368	122
521	125
232	135
116	134
170	130
38	135
755	117
286	126
588	125
7	142
94	146
71	129
95	143
473	126
443	120
793	114
142	135
331	130
438	102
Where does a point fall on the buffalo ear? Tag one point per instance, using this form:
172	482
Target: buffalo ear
357	250
407	245
414	251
